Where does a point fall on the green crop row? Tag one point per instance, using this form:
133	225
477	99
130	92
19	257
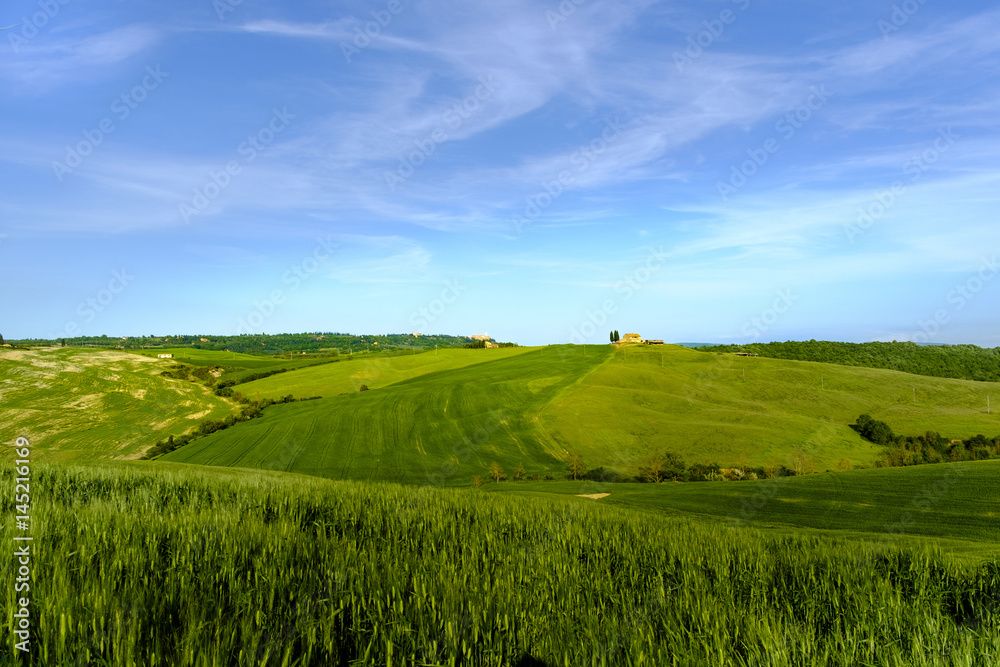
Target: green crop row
174	565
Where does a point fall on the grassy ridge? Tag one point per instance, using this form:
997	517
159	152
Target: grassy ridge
953	502
440	427
373	371
754	411
83	405
172	566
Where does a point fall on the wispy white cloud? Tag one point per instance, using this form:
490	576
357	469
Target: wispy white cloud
43	65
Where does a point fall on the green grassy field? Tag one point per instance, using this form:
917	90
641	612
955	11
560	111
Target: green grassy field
198	357
172	566
167	563
752	411
77	404
232	365
373	371
439	427
614	406
951	505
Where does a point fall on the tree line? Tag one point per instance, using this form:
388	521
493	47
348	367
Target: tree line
260	344
964	362
657	467
930	447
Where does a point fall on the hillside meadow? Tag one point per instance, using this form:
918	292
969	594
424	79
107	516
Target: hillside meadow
77	404
442	426
753	411
448	415
372	371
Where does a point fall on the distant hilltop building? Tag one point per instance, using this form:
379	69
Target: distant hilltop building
631	338
653	341
482	337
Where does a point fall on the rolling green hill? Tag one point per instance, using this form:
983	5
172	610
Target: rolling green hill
82	404
372	371
439	427
614	406
752	411
517	405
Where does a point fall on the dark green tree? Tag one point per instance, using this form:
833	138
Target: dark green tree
874	430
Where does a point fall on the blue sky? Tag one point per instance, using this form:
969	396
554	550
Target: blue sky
544	172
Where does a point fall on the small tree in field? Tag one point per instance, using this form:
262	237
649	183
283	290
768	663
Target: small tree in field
519	472
496	472
477	481
575	465
651	468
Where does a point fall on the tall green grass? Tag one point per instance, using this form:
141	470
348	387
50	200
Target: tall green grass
142	564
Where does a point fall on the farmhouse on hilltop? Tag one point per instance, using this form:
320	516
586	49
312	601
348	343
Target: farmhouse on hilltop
631	338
